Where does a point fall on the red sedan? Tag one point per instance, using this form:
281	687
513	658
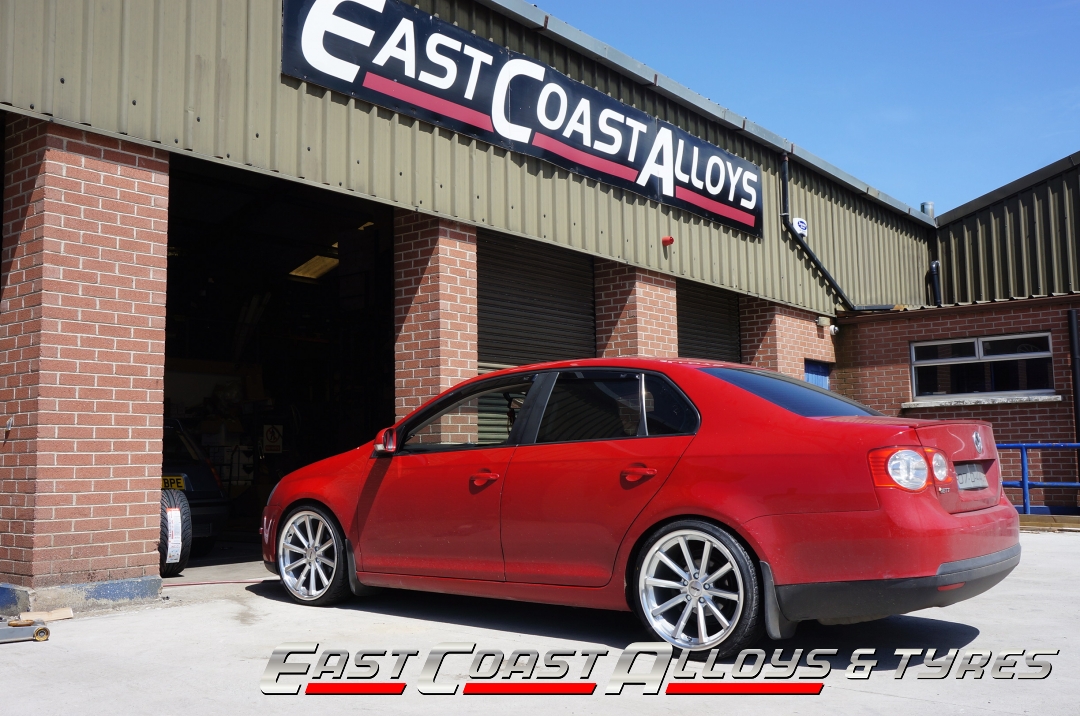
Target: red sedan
715	500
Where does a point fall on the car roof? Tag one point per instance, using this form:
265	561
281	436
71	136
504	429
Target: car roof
634	362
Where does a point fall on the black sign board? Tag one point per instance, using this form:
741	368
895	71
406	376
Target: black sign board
393	55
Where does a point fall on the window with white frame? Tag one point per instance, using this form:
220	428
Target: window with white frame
1018	364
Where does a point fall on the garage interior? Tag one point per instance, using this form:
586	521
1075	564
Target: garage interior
279	325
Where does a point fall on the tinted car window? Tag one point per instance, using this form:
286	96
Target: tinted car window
592	405
485	417
791	394
666	411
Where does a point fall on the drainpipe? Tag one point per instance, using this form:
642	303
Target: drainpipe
1074	355
935	281
785	216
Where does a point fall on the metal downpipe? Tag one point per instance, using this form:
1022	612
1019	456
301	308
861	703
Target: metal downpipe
785	216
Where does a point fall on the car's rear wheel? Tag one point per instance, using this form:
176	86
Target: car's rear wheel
696	587
311	557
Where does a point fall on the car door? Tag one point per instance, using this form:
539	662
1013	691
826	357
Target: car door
436	509
571	495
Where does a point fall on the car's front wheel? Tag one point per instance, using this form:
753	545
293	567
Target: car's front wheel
696	587
311	557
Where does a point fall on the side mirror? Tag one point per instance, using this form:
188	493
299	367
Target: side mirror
386	444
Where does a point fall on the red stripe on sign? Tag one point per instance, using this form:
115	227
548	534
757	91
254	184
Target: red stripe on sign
427	101
584	159
384	687
522	687
714	206
757	688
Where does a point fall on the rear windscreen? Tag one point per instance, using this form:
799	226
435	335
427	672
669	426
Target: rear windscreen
791	394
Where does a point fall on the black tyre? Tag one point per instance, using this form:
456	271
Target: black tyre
174	499
695	587
202	546
311	557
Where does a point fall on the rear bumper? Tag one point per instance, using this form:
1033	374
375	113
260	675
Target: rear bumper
865	599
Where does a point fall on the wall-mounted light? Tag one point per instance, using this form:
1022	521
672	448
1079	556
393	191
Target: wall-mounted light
667	241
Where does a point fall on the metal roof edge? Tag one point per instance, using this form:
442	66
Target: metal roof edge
535	18
1013	187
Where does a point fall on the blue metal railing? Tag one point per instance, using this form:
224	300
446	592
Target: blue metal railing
1025	483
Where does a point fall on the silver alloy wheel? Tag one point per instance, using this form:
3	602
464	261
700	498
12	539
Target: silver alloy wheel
691	590
307	555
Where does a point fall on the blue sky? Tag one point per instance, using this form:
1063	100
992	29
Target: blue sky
927	101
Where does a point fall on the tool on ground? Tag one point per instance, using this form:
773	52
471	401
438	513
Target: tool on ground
24	630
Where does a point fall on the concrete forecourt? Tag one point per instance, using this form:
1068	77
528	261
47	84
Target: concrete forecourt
207	647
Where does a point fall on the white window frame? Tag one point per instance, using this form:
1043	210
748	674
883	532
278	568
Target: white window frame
979	357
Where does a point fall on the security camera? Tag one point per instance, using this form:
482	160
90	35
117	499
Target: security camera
801	227
833	330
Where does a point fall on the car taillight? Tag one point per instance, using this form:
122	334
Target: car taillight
905	468
213	471
940	465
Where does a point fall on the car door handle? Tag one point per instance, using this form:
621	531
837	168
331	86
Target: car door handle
484	477
637	472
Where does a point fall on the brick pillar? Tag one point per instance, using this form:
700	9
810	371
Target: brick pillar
782	338
82	353
434	307
636	313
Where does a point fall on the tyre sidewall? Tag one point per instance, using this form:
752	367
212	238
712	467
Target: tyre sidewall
339	586
751	623
177	499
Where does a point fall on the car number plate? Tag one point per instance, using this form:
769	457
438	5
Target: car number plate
970	476
173	482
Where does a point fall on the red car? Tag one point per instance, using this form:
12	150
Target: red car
715	500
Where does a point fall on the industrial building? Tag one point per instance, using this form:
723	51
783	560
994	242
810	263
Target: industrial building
286	224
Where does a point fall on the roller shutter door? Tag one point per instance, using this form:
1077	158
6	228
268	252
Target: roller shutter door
534	302
708	322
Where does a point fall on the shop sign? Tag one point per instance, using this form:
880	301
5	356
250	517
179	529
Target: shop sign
393	55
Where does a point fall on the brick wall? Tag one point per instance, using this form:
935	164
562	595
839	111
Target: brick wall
782	338
82	347
636	311
875	369
434	307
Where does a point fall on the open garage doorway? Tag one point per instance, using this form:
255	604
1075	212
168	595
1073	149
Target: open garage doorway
279	332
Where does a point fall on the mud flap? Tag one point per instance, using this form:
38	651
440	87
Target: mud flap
777	626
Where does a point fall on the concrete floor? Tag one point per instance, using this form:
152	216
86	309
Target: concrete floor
204	649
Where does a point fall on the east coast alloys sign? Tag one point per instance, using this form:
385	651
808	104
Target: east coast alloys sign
393	55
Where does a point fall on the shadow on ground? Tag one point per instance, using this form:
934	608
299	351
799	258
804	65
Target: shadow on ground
618	629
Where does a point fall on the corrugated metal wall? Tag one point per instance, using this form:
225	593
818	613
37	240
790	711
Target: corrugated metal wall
1021	246
203	76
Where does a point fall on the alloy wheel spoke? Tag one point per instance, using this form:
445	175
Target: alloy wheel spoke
703	633
294	531
705	557
717	574
717	613
290	566
307	529
327	562
311	580
666	583
658	610
686	555
292	547
674	567
683	619
303	573
730	596
322	548
322	574
318	532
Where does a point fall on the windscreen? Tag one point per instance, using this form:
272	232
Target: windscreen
798	396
